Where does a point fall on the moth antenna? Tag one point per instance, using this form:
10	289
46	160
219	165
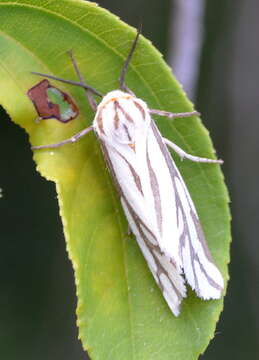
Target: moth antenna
89	92
71	82
75	65
127	61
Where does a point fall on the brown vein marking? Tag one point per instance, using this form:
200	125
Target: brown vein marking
156	193
193	254
127	116
201	236
127	132
100	121
162	270
136	179
134	174
210	280
116	118
140	108
153	249
173	172
185	236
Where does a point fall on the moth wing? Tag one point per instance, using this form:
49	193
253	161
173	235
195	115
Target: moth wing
130	185
197	263
199	268
164	270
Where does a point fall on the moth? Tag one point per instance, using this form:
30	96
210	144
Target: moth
155	199
51	102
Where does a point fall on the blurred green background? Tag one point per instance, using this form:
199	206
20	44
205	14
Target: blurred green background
37	298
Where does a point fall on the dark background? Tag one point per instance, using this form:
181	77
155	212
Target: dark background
37	297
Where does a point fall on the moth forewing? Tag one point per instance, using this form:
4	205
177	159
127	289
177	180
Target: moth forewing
171	282
197	263
164	271
199	269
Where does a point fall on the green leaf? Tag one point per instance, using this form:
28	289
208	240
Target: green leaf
121	312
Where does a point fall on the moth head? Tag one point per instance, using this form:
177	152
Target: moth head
121	118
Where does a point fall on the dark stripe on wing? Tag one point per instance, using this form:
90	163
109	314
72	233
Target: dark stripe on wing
153	249
100	121
133	172
127	132
156	194
127	116
140	108
116	118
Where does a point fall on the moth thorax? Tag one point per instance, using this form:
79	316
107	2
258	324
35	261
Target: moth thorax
122	118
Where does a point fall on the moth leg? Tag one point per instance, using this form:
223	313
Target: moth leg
173	115
73	139
183	154
124	70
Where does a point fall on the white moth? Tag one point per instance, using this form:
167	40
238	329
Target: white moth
153	194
